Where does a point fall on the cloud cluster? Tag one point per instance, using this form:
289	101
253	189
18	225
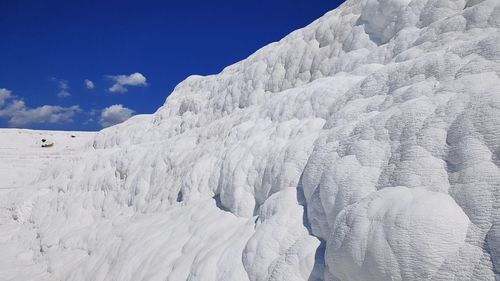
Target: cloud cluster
18	114
122	81
89	84
115	114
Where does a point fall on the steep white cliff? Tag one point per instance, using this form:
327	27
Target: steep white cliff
365	146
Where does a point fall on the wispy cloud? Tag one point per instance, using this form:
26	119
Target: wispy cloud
63	87
122	81
18	114
115	114
89	84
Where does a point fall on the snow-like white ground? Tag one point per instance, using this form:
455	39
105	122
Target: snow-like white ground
22	160
364	146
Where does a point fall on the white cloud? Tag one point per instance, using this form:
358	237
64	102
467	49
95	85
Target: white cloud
4	95
89	84
63	87
18	114
44	114
121	81
115	114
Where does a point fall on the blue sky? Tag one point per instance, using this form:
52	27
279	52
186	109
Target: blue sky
134	52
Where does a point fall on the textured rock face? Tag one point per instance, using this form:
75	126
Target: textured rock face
365	146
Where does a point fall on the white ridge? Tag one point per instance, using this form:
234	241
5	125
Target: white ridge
365	146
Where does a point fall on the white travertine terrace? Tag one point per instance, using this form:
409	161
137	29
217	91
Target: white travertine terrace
365	146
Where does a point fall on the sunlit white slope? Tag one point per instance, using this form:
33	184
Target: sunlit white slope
22	157
362	147
22	160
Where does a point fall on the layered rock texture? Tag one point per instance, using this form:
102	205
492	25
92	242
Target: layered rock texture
365	146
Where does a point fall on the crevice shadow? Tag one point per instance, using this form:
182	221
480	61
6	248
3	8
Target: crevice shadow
319	258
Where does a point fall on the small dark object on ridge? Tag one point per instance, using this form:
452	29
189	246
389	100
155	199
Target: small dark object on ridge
73	136
44	140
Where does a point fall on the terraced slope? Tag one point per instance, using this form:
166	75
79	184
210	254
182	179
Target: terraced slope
364	146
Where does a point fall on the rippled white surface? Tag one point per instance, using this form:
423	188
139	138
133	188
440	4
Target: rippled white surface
365	146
